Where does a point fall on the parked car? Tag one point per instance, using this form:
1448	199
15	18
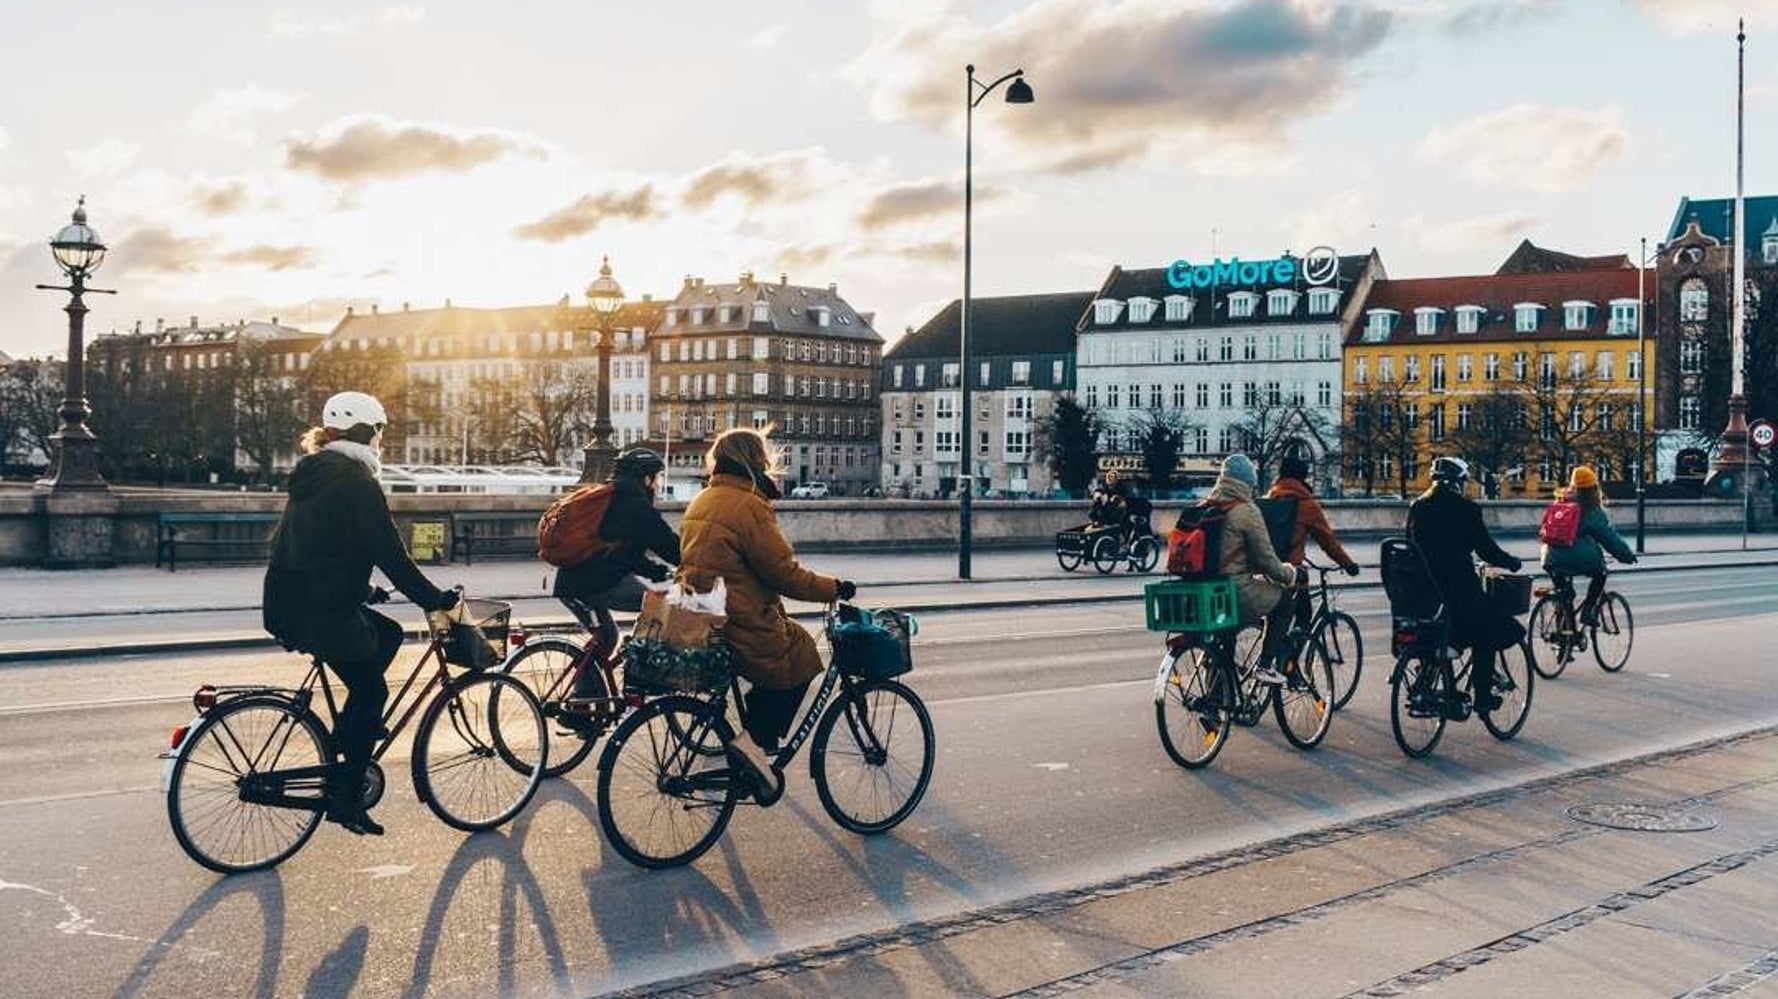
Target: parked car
810	490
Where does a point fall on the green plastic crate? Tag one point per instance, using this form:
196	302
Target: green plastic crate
1196	605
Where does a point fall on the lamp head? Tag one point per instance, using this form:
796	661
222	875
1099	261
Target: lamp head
605	295
77	248
1019	92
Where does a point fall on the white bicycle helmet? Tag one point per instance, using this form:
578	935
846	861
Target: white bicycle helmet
345	410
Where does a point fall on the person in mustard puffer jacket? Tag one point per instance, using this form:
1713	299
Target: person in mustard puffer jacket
1586	557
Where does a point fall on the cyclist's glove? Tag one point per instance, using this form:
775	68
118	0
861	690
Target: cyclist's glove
1517	564
846	590
449	601
656	572
1352	570
377	595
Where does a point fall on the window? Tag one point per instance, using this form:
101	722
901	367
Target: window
1438	373
919	410
1623	317
1577	315
666	351
728	384
1092	397
1632	364
1179	308
1154	395
1018	443
1021	372
945	406
1201	347
1274	347
761	383
1274	393
761	348
1386	369
944	443
1018	407
1226	395
1691	357
1201	440
1604	420
1113	396
1225	348
1604	366
1203	395
1225	439
1526	316
1299	347
1178	350
1577	364
1141	309
1280	302
1411	369
1519	365
1465	368
948	375
983	445
1694	301
1361	374
1179	395
1105	311
1058	373
1322	301
664	383
919	376
1324	395
982	373
1250	348
1465	414
895	376
1241	304
1546	370
1577	419
1380	323
1435	422
1469	318
1426	321
1249	394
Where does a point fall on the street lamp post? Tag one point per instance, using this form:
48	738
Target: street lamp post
78	251
974	93
1642	401
605	296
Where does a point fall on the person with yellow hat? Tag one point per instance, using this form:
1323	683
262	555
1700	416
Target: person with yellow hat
1592	540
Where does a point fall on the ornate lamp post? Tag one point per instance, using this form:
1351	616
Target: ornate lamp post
79	252
605	296
974	93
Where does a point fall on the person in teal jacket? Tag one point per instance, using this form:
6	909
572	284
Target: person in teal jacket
1586	557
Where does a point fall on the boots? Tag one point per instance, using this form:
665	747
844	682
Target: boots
345	801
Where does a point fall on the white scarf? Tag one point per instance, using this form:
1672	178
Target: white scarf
363	454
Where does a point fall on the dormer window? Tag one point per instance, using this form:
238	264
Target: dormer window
1380	323
697	317
1280	302
1323	301
1769	243
1469	318
822	315
1527	316
762	312
1426	320
672	317
1241	304
1577	315
1105	311
1179	308
1141	309
1623	317
722	314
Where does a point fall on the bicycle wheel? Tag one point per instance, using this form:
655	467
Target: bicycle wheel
1418	690
1304	704
1105	553
1248	643
1145	554
480	751
1614	634
1514	680
868	779
238	742
1193	721
1068	560
546	667
1344	646
1552	649
663	798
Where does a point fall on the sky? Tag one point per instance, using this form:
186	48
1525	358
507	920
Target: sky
250	160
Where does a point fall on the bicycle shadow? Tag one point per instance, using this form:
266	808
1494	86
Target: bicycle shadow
265	888
339	970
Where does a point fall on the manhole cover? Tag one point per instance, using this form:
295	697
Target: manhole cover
1643	818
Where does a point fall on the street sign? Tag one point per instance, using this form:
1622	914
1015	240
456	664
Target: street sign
1763	433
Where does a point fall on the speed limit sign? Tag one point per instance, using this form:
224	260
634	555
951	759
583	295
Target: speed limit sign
1763	434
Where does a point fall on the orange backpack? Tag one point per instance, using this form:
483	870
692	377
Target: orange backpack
568	532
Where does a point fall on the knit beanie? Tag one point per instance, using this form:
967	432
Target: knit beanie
1240	468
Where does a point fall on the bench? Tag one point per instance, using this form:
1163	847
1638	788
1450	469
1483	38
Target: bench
239	537
502	532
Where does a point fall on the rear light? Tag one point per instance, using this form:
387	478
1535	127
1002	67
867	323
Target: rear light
516	638
1406	638
179	736
633	700
204	698
1541	591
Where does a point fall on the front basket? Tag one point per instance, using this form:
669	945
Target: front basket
479	640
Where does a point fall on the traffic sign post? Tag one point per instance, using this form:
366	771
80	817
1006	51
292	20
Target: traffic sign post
1763	434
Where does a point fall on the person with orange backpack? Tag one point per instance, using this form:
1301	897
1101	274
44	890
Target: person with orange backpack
1576	535
600	538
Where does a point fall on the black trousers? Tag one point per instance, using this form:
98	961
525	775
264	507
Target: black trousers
366	693
1595	589
594	614
771	712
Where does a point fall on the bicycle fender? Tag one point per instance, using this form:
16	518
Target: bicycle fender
560	643
1160	677
171	757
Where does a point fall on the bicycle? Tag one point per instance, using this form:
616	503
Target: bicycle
668	761
1555	622
1112	548
244	780
1338	635
551	666
1205	683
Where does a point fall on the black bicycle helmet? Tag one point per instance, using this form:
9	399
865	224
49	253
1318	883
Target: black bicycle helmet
1294	466
638	462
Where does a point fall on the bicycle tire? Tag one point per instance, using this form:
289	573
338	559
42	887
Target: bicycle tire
1069	561
1105	554
1546	635
1617	622
1248	643
1308	701
1184	687
1145	554
1515	693
880	731
1417	736
567	750
649	729
479	739
1344	644
295	832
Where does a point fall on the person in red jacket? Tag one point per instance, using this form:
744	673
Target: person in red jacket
1311	521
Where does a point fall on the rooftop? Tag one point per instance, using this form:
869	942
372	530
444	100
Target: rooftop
1529	258
1211	309
1716	218
1022	325
455	321
790	308
1497	295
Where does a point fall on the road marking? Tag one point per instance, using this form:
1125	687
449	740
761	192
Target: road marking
75	924
1051	767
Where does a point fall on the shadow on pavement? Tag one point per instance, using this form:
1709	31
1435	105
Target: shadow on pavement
267	889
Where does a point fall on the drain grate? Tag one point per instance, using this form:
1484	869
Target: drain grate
1639	817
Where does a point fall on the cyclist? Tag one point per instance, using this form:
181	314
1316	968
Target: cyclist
1311	521
613	579
1263	583
336	527
1596	537
730	532
1448	528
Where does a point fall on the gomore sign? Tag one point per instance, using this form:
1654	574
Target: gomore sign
1318	267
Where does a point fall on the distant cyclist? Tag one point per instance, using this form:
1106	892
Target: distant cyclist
1311	522
1595	537
1448	528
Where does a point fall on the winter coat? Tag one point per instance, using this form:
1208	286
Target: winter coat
729	531
1247	551
1311	521
638	528
1586	557
1449	530
336	527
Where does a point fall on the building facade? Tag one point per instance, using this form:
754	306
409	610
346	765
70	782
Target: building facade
1523	373
1245	357
1022	353
761	354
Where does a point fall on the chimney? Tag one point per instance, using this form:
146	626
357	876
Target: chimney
783	279
700	283
373	308
160	325
868	318
194	322
746	277
833	288
275	321
647	296
138	326
404	306
690	283
349	313
447	303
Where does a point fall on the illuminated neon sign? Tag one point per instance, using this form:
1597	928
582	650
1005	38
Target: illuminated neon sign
1318	267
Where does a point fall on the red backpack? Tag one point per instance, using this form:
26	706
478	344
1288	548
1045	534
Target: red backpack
1194	547
1561	524
568	532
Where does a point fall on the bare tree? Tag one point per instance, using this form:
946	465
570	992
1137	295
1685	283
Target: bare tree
1159	435
555	411
1497	434
380	371
267	421
1383	433
1566	408
1276	426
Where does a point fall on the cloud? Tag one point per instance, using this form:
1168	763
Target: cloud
106	158
918	201
1491	15
937	252
292	25
1121	81
156	250
1342	219
755	181
1533	146
1472	234
804	258
767	37
589	212
221	199
360	149
272	258
1694	16
225	112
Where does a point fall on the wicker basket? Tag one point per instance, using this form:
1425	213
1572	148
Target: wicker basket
479	639
652	667
1194	605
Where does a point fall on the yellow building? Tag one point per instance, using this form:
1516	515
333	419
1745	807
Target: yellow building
1523	374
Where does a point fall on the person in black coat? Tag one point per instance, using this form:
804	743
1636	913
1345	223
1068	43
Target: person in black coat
1448	528
612	580
336	527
